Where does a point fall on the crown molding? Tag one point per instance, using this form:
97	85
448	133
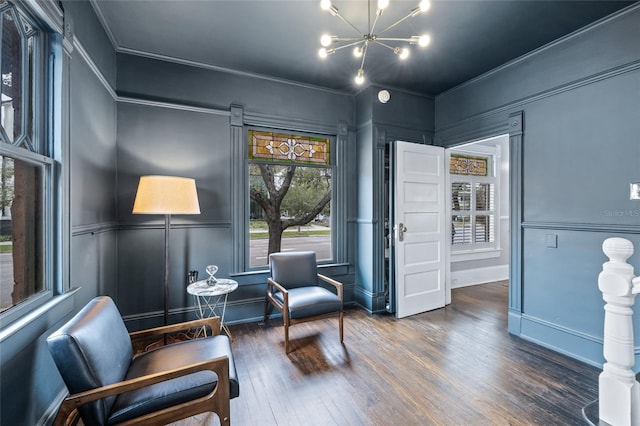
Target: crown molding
188	62
107	29
87	58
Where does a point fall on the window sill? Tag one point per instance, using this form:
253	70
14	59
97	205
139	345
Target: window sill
18	335
477	254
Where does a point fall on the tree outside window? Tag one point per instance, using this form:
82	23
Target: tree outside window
290	188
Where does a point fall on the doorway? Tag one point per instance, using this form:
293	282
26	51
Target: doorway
477	235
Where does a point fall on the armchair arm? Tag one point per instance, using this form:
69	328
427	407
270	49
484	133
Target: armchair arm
285	293
220	366
336	284
278	286
213	323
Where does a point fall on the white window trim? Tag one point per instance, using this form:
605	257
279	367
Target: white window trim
478	251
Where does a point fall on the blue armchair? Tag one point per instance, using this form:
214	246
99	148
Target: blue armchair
109	385
294	291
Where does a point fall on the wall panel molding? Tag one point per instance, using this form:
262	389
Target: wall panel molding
160	225
588	227
94	228
173	105
98	228
298	124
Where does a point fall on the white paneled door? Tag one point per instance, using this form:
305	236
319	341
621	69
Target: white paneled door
419	228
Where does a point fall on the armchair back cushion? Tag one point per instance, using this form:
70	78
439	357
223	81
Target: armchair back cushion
294	269
93	350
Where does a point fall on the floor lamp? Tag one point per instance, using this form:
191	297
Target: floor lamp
166	195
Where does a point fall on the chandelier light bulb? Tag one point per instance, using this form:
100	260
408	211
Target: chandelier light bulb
403	53
425	5
357	51
424	40
325	4
382	4
360	77
322	52
326	40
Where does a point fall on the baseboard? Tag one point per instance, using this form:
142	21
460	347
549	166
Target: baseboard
573	343
479	276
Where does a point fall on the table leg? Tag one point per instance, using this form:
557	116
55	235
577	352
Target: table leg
222	324
204	329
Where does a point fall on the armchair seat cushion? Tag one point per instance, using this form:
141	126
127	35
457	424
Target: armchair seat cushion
310	301
169	393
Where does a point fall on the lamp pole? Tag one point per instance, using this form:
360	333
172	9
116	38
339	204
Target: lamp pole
167	227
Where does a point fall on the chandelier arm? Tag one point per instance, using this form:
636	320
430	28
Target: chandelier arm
398	22
348	45
348	39
364	55
377	41
375	21
408	40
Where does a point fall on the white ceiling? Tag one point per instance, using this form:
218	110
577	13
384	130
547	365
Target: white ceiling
280	39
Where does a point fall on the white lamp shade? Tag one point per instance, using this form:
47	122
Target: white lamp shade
166	195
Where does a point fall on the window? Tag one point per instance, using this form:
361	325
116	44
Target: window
473	201
290	188
25	171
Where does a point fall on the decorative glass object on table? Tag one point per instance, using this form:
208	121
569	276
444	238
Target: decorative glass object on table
211	270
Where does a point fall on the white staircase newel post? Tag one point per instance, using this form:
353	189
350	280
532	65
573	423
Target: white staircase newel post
619	392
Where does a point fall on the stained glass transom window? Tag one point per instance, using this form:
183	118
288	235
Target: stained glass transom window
288	148
467	165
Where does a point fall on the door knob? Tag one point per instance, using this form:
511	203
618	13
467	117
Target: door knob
400	230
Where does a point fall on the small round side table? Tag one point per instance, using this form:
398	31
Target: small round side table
213	297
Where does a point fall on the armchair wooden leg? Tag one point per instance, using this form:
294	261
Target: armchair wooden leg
341	327
68	415
266	309
286	338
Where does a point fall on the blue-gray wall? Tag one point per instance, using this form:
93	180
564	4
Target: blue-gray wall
176	119
406	117
579	150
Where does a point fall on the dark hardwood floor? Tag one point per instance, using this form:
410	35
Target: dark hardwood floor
452	366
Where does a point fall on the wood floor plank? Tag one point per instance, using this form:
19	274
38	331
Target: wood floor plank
452	366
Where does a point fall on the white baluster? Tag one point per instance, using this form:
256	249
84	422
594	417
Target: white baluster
619	392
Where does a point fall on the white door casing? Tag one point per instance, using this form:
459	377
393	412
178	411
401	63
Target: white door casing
419	228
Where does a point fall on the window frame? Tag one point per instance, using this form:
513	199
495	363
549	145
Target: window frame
334	204
473	250
39	151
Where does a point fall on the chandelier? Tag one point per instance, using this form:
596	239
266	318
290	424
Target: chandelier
332	43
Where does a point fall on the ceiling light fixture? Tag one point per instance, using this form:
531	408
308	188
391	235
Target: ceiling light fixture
361	44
